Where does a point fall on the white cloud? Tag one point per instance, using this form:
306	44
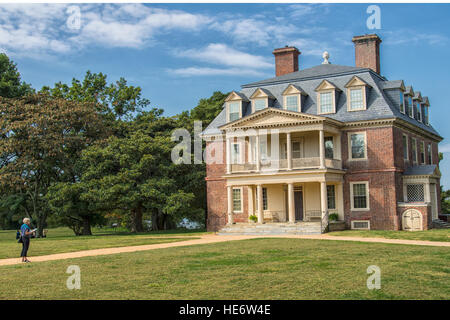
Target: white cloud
205	71
410	37
444	148
219	53
312	47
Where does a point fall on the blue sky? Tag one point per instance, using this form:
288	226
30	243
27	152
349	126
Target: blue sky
180	53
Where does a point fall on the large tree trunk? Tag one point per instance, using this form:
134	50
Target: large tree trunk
136	220
155	221
41	222
86	229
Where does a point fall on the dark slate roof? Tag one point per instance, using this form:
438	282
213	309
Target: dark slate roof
420	170
379	106
320	71
391	84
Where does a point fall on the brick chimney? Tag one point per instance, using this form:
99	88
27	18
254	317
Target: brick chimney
367	51
286	60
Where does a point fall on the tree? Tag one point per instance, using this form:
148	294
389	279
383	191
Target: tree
134	174
208	109
119	99
11	85
40	137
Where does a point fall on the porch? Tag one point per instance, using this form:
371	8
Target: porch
290	203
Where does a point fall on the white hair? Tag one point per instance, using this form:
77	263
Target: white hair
25	220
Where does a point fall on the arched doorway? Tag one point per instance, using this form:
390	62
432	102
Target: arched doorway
412	220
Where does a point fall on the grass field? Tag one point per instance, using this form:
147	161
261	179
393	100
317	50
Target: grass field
430	235
61	240
249	269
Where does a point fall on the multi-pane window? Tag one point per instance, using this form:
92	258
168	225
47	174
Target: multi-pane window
359	196
425	115
235	153
414	149
233	110
326	102
264	198
292	103
415	192
405	147
329	147
331	197
296	153
356	99
358	145
402	102
419	112
422	152
410	107
237	203
429	154
259	104
263	150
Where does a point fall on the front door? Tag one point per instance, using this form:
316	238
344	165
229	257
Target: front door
298	200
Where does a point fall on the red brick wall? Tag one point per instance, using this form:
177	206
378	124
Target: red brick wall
367	53
216	192
286	60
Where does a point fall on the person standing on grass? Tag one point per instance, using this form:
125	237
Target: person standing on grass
25	233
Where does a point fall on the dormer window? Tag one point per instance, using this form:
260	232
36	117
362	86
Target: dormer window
402	102
410	107
419	112
356	94
292	98
260	99
425	115
326	97
234	103
233	108
259	104
326	102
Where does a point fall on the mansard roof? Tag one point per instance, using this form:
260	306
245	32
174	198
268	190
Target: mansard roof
379	105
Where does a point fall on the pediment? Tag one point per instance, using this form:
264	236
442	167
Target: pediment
271	117
292	89
356	82
260	93
326	85
235	96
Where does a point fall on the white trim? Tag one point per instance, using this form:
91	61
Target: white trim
242	198
349	102
299	101
368	225
349	145
414	142
407	147
352	208
228	109
402	94
255	99
420	152
333	95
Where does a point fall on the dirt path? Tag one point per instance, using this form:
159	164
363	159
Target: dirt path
210	238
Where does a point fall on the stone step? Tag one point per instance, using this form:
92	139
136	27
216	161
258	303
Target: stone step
272	228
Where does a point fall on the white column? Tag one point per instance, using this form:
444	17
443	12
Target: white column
323	198
338	149
340	200
251	209
228	158
258	154
230	204
291	202
322	149
289	150
259	191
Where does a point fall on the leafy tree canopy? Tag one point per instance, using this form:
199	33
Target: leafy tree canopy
11	85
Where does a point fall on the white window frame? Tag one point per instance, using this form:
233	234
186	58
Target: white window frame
422	145
368	225
239	102
352	208
415	158
266	103
241	190
407	147
333	101
299	107
410	107
350	146
402	102
240	160
419	111
349	99
430	153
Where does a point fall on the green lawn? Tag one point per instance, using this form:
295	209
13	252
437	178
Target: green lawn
250	269
61	240
430	235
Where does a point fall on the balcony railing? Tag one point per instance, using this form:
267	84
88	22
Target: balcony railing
282	164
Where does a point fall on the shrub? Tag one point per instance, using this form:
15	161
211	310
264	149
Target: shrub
253	218
333	217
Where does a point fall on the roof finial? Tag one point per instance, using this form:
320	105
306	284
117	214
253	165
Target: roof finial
325	57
